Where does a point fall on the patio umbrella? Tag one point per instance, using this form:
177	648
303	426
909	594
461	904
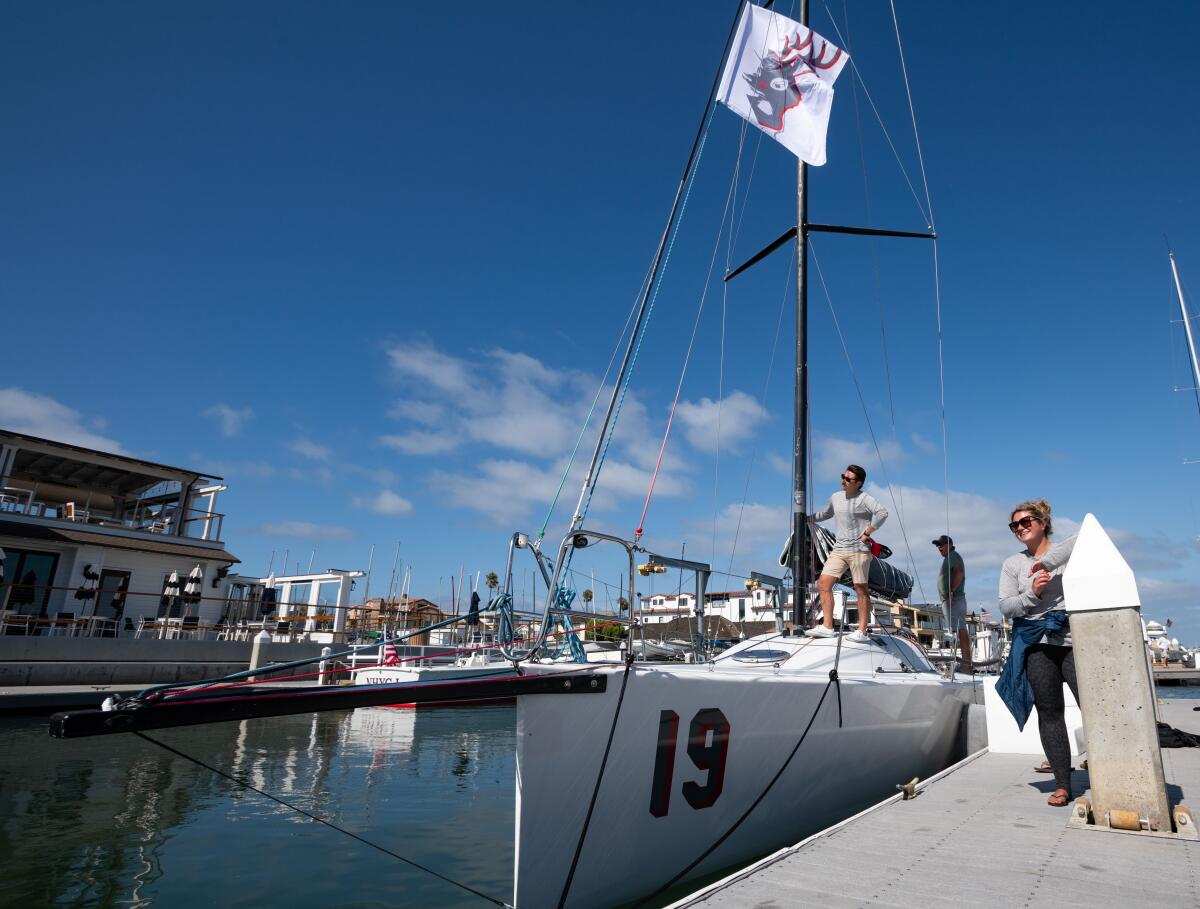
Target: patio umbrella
168	603
88	590
268	603
194	586
473	614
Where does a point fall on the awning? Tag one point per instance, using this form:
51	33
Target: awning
184	547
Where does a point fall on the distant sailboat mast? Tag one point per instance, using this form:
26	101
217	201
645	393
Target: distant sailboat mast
1187	329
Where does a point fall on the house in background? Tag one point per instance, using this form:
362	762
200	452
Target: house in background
94	535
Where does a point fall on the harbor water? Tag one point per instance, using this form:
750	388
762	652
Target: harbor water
119	821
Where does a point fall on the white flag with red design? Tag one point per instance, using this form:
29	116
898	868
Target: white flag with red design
390	657
779	76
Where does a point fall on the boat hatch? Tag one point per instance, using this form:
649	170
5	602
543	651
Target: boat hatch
762	655
907	653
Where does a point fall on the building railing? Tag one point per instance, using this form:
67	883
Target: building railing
26	609
196	524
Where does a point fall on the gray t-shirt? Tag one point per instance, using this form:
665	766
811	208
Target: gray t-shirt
851	516
1017	599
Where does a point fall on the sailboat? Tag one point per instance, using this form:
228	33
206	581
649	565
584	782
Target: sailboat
674	773
635	779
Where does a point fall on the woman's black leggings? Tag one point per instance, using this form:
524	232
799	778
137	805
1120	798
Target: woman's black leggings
1047	667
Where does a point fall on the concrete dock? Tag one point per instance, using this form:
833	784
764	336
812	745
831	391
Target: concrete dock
981	835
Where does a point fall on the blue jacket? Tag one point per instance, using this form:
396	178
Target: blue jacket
1013	685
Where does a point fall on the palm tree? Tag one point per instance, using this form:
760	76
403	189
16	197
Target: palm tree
587	599
493	581
623	604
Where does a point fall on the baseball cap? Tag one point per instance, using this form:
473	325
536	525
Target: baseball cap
943	539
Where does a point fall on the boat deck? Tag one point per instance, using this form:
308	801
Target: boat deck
981	835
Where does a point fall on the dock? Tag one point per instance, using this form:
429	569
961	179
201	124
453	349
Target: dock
980	834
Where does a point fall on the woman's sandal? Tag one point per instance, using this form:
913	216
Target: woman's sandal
1043	767
1059	799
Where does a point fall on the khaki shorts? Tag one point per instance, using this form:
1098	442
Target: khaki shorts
858	564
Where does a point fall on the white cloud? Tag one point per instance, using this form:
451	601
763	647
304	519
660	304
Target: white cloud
738	415
505	400
229	469
503	490
508	490
419	361
385	502
310	449
423	412
831	455
924	445
779	464
422	443
42	416
303	530
230	419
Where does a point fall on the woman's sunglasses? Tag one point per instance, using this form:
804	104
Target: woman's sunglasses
1022	523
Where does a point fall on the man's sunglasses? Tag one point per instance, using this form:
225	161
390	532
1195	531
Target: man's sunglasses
1022	523
849	479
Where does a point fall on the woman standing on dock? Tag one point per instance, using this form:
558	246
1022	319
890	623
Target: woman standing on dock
1041	658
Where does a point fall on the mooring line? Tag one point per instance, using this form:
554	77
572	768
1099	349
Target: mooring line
321	820
596	789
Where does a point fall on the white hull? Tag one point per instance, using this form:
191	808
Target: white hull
895	725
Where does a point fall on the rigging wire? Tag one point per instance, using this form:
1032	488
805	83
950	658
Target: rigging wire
641	337
729	204
863	404
937	273
766	387
320	820
595	400
926	214
873	246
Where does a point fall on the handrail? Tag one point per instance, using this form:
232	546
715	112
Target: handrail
575	539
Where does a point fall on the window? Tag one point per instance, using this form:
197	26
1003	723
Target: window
28	576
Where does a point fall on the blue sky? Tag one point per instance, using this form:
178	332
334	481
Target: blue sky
369	264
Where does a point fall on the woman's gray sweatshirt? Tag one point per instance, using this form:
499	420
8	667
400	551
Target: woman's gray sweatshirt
1017	599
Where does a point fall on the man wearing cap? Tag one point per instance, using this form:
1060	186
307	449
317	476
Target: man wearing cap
952	587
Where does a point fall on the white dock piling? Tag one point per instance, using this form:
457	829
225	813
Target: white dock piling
258	652
1115	691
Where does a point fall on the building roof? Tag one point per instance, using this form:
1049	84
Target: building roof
43	461
190	549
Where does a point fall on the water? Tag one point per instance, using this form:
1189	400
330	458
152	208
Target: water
1178	691
117	821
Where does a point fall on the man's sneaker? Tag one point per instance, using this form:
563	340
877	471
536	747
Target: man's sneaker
858	637
821	632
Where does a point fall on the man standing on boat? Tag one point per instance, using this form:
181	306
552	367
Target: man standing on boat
856	515
952	588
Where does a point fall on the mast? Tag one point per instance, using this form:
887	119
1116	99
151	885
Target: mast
799	560
1187	327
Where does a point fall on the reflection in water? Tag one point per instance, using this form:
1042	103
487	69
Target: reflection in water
117	821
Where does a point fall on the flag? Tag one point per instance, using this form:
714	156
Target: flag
390	657
985	613
1168	625
779	76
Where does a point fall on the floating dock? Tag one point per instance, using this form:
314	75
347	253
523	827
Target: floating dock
980	834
